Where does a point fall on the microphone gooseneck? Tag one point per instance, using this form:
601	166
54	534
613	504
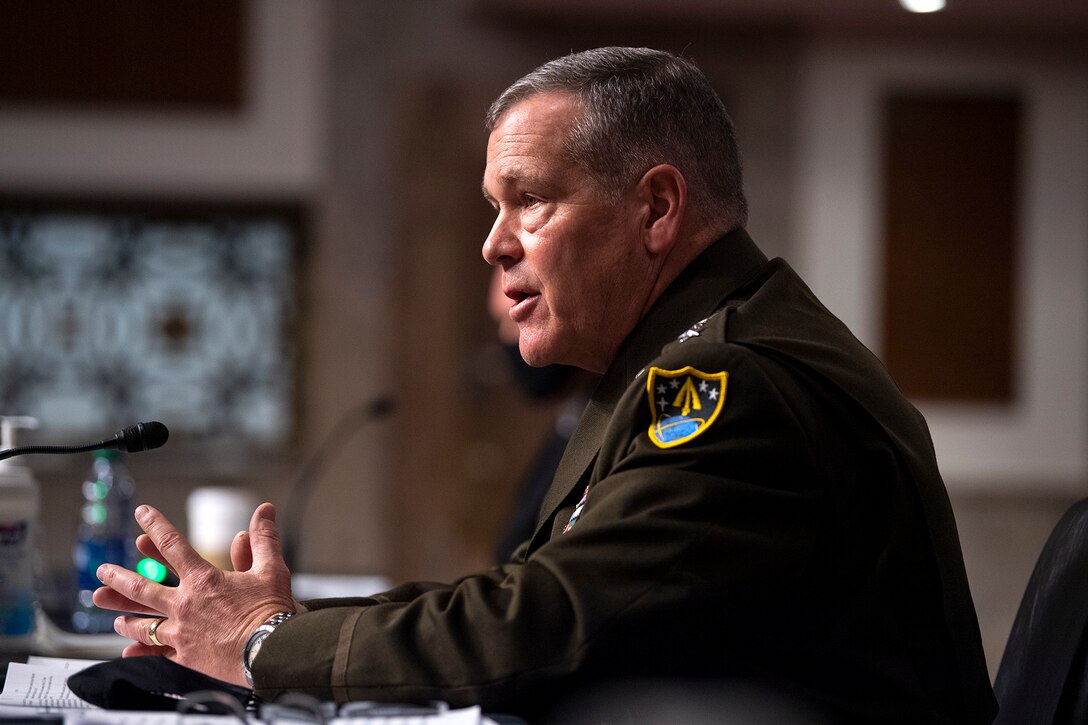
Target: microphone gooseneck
355	418
136	438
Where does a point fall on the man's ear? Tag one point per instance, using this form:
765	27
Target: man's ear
664	192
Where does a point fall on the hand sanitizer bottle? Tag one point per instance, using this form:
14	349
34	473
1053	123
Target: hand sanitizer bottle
19	502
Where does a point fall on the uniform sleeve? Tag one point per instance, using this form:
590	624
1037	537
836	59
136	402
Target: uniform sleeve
674	545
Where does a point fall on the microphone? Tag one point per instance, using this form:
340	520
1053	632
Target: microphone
354	419
135	438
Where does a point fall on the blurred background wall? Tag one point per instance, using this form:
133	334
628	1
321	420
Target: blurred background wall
928	175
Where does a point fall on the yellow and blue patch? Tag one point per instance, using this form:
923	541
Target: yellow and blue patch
683	402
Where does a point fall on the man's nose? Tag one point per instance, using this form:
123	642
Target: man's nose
500	244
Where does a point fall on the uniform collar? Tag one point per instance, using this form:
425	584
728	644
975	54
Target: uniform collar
696	293
699	290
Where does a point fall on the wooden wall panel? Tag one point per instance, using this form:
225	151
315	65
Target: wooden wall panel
950	245
467	433
70	53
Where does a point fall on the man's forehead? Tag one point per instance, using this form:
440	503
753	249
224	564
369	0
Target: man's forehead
514	156
532	131
538	123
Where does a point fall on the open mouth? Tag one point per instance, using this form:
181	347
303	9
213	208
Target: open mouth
523	303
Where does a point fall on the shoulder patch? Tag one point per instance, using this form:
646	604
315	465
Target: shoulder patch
683	403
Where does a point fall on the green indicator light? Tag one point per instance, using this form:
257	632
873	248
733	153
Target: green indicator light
151	569
97	513
100	489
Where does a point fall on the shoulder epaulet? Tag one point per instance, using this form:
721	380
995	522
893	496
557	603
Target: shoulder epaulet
694	330
724	312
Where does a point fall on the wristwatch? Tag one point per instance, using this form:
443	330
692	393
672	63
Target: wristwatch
253	644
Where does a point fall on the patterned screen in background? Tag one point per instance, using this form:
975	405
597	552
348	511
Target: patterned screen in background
107	319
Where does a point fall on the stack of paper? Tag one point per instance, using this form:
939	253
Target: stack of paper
41	684
39	690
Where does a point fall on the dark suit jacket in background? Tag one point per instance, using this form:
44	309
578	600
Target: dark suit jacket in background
803	541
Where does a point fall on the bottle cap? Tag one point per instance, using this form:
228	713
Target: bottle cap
8	425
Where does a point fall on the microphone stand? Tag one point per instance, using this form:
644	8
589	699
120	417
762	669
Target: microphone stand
27	450
299	491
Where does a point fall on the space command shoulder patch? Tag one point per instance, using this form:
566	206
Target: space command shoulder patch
683	402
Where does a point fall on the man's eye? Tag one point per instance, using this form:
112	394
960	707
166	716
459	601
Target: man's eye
529	200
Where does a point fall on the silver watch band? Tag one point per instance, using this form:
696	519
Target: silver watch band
253	644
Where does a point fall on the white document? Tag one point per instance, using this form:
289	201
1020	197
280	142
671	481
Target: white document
39	686
464	716
127	717
461	716
63	663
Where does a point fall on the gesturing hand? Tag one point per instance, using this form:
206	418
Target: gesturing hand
211	612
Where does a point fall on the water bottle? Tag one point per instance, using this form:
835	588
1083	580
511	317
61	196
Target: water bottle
105	535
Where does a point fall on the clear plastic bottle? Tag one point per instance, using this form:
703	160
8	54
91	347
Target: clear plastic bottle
105	535
19	504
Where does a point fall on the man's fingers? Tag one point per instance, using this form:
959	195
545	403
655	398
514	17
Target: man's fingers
241	553
140	591
139	649
171	545
152	632
106	598
147	547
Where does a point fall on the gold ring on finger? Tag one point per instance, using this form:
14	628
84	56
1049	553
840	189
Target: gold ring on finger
152	632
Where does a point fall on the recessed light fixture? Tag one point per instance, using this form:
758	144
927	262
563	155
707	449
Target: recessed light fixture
923	6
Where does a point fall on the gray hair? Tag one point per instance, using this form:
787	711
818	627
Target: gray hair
643	107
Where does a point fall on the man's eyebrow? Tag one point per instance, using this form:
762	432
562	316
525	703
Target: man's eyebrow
506	179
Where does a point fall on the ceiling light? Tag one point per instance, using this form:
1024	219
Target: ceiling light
923	6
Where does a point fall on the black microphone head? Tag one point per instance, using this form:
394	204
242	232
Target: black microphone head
144	436
380	407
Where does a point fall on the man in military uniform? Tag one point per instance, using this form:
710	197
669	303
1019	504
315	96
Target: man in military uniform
747	498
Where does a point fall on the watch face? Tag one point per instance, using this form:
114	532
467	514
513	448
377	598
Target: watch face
256	646
255	643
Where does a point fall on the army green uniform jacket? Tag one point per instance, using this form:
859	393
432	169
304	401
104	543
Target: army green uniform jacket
747	497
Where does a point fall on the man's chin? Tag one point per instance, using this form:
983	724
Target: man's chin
536	354
535	360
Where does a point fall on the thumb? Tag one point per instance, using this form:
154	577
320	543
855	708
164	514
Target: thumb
264	537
